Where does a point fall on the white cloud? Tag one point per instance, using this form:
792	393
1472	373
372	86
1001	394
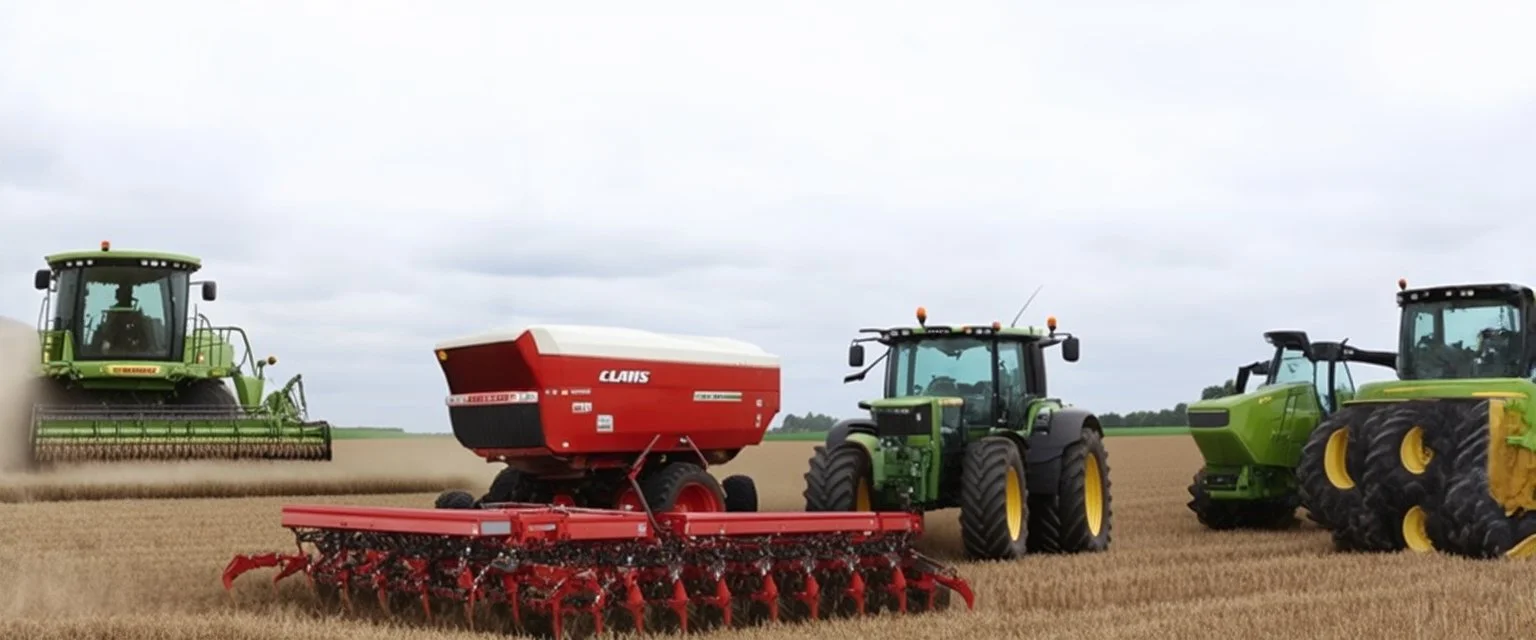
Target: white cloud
365	183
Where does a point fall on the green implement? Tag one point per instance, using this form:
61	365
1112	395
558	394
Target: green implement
130	370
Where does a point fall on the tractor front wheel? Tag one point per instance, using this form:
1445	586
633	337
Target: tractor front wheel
994	512
839	480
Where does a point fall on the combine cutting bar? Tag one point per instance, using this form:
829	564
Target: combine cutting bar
557	570
166	433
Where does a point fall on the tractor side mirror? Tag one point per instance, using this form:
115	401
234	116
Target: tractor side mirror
1069	349
210	291
42	279
855	355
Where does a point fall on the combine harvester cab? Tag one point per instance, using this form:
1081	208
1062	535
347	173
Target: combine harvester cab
130	370
606	516
1251	440
1444	457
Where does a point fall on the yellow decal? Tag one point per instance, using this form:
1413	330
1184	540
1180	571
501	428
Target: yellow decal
1511	469
1266	399
133	370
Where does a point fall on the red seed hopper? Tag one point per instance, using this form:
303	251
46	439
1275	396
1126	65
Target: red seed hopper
606	517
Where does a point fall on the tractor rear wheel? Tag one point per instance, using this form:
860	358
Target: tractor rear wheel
1081	515
1271	513
1332	459
1477	525
840	480
1403	474
994	513
683	487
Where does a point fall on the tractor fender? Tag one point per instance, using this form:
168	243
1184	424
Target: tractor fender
1053	432
867	441
839	432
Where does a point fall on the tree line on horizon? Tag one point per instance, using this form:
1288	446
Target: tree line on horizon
813	422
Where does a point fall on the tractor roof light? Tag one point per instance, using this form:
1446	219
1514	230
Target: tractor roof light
106	245
996	325
1402	284
1050	323
922	316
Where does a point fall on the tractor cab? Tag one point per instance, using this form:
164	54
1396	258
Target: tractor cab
969	377
1466	331
117	306
1325	365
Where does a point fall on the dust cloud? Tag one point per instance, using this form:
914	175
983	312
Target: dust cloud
19	353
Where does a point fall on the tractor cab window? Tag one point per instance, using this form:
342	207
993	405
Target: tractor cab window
951	367
1462	339
130	313
1294	366
1011	381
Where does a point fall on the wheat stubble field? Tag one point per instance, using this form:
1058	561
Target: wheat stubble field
148	568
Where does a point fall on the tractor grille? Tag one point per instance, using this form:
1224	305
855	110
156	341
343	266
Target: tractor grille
1209	419
904	421
497	426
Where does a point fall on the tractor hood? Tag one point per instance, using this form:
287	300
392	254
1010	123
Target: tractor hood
1235	430
1393	390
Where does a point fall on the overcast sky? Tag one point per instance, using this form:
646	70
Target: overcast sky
364	182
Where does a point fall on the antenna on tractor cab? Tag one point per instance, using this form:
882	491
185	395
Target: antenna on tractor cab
1020	314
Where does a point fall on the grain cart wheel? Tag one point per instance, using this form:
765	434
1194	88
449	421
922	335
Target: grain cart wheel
1330	462
1271	513
683	487
994	517
740	493
512	485
840	480
1403	476
454	499
1476	523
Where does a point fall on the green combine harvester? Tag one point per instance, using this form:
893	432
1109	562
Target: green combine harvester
966	421
1251	440
130	370
1441	459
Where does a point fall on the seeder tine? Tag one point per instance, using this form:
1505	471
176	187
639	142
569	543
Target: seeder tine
243	563
959	586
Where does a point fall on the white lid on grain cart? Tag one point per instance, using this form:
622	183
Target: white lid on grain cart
557	398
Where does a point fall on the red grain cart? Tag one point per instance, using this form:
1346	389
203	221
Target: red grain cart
574	411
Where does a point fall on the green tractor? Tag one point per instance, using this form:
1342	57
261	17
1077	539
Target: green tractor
1444	457
130	370
1251	440
966	422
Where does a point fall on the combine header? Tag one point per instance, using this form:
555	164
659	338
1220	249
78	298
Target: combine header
130	370
605	516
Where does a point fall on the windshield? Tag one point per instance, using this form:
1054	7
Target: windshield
1462	339
127	313
954	367
1292	366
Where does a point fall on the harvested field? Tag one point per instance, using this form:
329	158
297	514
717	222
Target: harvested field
149	569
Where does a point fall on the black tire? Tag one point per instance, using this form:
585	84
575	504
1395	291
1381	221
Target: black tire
454	499
206	393
837	479
1476	525
663	486
1222	515
511	485
987	528
740	494
1080	527
1400	491
1328	504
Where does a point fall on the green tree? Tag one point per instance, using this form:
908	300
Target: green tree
811	422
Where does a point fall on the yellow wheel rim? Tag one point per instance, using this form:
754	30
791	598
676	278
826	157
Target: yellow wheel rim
1412	452
1093	493
1014	495
1415	533
1335	460
1525	549
861	499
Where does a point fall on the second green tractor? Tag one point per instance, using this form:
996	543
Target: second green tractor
966	421
1441	459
